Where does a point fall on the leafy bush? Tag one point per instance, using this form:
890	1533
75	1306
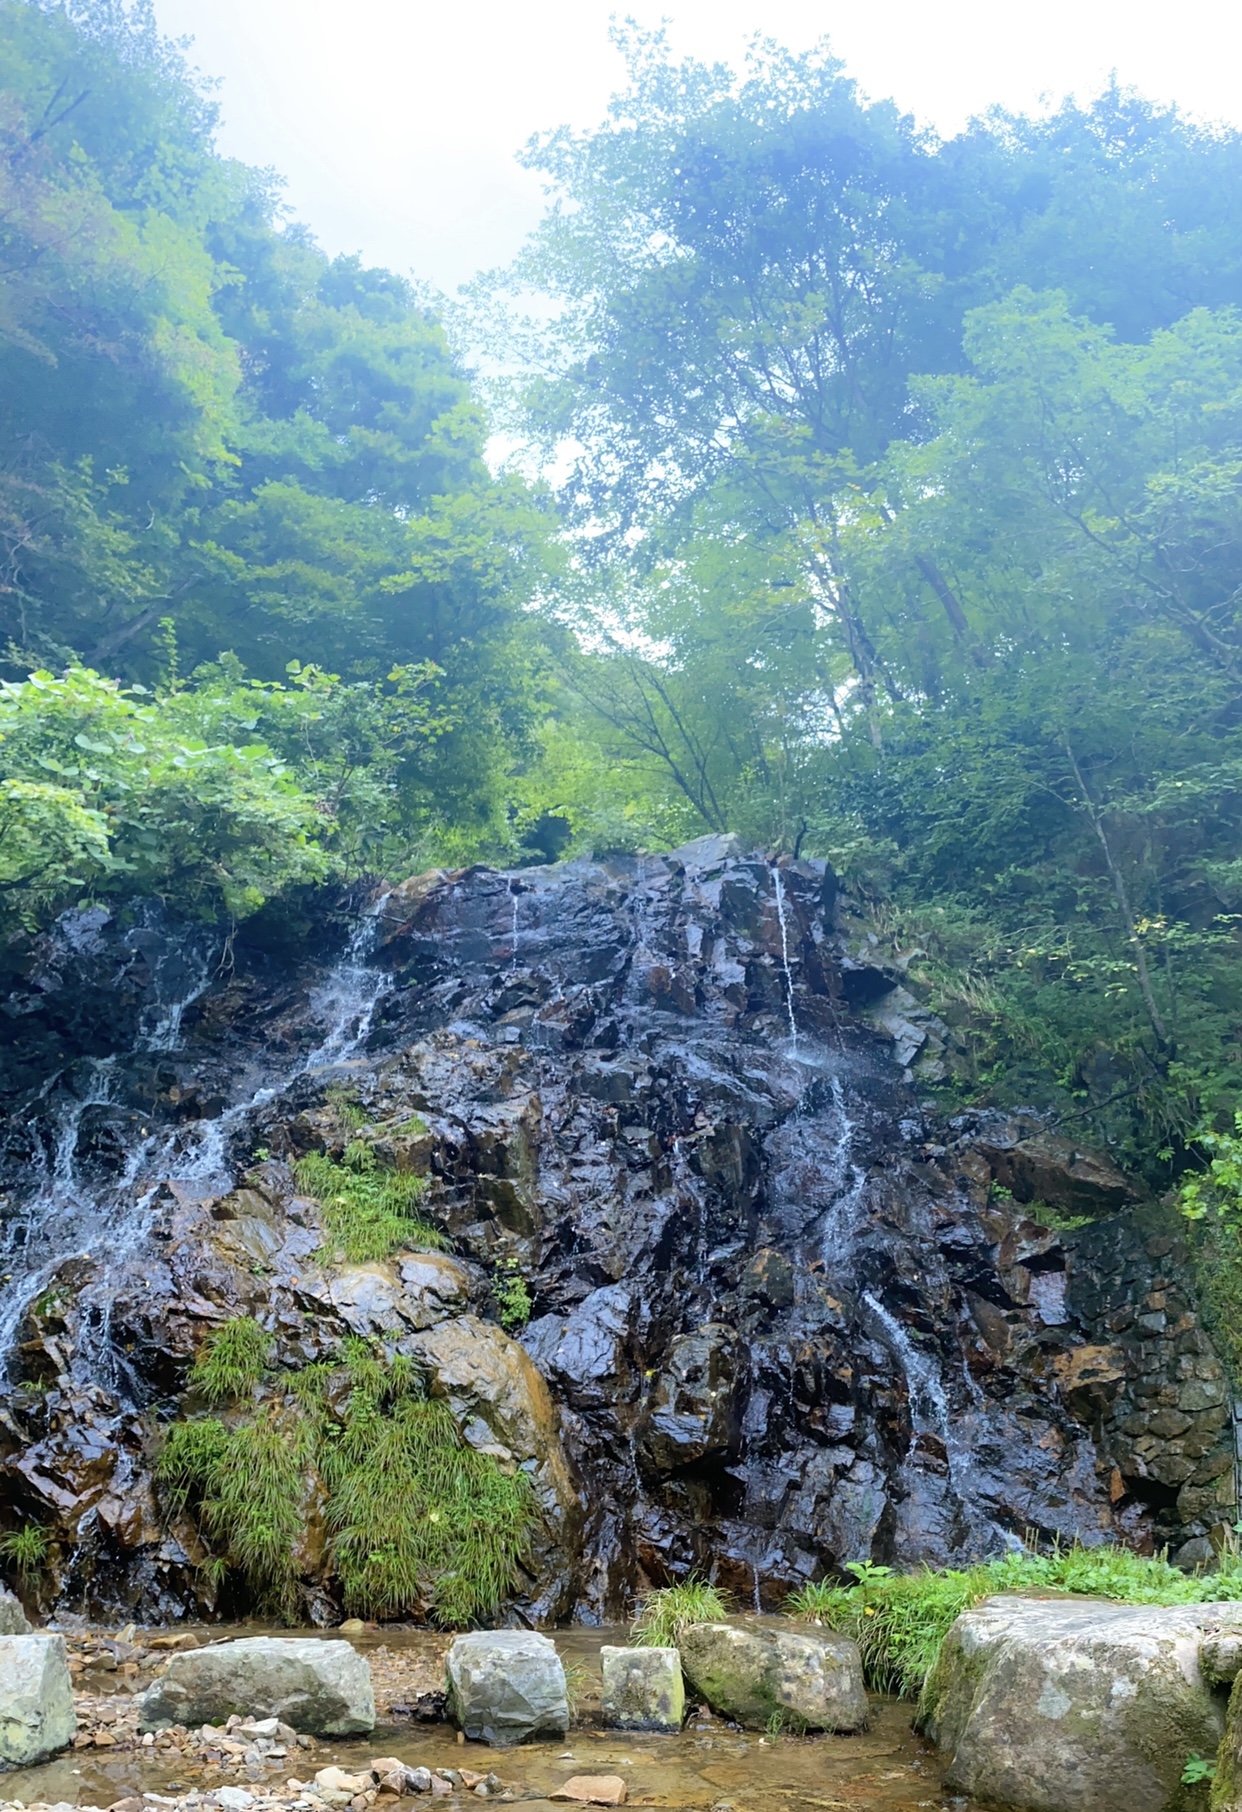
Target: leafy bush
511	1297
416	1517
664	1613
368	1209
899	1620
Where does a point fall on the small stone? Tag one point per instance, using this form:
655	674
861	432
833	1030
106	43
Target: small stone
353	1626
337	1780
233	1799
387	1764
593	1790
418	1780
439	1787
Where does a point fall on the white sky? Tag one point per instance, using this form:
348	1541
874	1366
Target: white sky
395	122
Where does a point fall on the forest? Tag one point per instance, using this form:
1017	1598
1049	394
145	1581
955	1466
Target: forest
875	496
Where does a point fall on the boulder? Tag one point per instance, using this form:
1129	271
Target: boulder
13	1619
814	1682
313	1684
643	1688
36	1699
1075	1705
506	1686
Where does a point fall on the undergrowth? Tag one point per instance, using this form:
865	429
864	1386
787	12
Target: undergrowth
232	1360
899	1620
415	1518
666	1612
512	1297
25	1549
369	1210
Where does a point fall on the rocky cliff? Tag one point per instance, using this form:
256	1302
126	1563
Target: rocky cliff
781	1317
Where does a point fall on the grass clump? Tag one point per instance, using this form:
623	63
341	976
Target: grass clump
899	1620
231	1361
416	1518
251	1483
666	1612
369	1210
25	1549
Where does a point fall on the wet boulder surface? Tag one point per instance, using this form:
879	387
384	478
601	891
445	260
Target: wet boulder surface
778	1322
1078	1706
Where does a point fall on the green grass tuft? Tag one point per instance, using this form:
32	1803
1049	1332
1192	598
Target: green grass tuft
25	1549
231	1361
415	1516
664	1613
368	1210
899	1620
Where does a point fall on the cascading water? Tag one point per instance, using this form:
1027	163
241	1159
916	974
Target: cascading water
74	1212
789	988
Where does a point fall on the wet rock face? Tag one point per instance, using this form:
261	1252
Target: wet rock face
777	1322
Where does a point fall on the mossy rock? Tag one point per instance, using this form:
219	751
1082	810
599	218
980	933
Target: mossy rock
1076	1705
763	1676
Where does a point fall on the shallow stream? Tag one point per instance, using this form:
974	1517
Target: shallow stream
709	1765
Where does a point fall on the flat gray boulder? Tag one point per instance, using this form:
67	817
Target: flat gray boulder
36	1699
751	1674
506	1686
1076	1705
643	1688
316	1685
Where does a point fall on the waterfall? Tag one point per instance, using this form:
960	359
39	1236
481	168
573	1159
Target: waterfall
789	992
72	1213
929	1407
930	1414
841	1221
513	947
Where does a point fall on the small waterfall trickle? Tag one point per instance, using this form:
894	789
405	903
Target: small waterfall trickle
929	1407
930	1415
515	932
789	989
73	1213
841	1221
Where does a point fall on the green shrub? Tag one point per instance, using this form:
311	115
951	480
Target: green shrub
416	1517
368	1209
231	1361
899	1620
511	1297
664	1613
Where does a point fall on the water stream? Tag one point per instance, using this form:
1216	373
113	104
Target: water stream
74	1211
789	989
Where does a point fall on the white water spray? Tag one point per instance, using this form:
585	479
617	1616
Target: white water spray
74	1214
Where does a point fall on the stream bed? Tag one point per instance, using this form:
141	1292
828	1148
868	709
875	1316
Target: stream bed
710	1765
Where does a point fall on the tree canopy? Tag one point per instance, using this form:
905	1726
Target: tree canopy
899	520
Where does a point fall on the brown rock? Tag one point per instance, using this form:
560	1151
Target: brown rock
1044	1167
593	1790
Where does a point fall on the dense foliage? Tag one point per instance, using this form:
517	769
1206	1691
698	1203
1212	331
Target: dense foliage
218	442
417	1521
901	523
904	482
